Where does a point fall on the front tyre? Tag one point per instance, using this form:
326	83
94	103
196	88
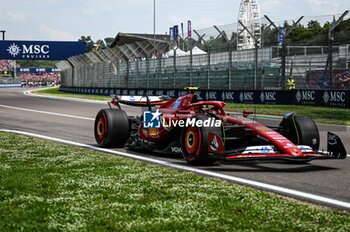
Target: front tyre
111	128
194	143
301	130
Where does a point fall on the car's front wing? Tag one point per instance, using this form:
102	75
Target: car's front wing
335	150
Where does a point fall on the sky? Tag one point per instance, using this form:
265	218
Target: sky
63	20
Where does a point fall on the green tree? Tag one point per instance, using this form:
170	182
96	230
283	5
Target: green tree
90	44
316	35
342	33
314	25
109	41
327	25
100	43
270	37
286	24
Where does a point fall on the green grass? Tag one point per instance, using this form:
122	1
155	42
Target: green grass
46	186
56	92
330	115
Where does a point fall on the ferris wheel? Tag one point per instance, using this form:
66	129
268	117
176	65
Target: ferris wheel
249	15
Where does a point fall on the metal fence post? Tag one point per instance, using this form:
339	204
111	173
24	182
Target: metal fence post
147	72
330	47
159	72
256	65
209	67
174	60
230	66
283	55
283	64
191	61
138	73
347	57
127	73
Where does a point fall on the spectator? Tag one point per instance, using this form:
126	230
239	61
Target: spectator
338	82
7	65
164	55
344	81
35	79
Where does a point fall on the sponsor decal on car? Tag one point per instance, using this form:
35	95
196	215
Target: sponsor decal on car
176	149
176	103
215	144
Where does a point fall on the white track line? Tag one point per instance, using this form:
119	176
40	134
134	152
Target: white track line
76	99
275	188
45	112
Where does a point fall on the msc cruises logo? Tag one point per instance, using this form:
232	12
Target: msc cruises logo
29	51
14	50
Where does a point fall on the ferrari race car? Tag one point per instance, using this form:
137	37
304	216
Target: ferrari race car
203	132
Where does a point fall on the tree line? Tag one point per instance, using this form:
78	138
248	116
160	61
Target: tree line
91	45
312	34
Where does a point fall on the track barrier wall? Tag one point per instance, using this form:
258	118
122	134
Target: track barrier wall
312	97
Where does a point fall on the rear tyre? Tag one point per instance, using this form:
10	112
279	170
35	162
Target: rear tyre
194	143
301	130
111	128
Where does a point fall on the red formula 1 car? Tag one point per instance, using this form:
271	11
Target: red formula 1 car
203	132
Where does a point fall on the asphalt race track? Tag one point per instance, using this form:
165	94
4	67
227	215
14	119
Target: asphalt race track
74	121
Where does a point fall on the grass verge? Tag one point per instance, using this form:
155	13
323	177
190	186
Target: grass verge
320	114
46	186
330	115
56	92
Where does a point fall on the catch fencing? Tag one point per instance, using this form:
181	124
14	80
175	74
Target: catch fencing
213	70
221	66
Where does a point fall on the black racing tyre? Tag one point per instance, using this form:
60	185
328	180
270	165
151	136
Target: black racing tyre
302	130
111	128
194	143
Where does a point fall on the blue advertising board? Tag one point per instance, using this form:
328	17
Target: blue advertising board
40	50
311	97
269	97
322	97
36	70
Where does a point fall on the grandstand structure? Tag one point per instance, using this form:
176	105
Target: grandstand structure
124	47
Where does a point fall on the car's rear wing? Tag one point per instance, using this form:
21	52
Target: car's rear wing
141	101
